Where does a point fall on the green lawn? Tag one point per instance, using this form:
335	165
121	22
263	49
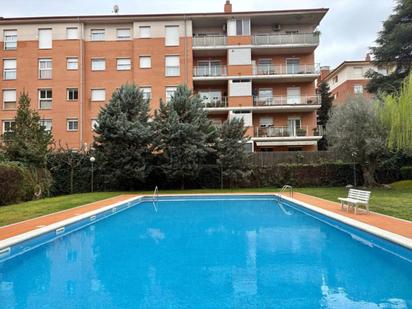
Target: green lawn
396	201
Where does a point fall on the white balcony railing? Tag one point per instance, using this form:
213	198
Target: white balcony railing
209	40
209	103
271	131
286	100
286	39
208	71
277	69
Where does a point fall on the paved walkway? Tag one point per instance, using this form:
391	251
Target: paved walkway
397	226
391	224
32	224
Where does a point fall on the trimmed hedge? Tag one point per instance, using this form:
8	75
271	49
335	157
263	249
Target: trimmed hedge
19	183
406	172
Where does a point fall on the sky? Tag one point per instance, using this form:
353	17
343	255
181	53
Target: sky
347	31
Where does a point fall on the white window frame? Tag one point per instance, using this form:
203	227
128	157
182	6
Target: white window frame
45	68
10	121
358	89
170	38
145	32
245	26
72	121
10	39
98	64
170	91
145	62
71	61
146	92
13	95
46	99
266	121
98	34
73	90
123	64
9	72
99	98
72	33
47	124
123	33
172	67
45	38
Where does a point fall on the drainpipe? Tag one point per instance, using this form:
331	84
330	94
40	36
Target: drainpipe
81	83
185	53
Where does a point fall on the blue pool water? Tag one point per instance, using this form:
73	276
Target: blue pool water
207	253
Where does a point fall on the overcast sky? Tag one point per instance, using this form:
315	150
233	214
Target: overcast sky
348	29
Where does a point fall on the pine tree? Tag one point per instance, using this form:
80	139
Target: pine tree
393	48
122	151
230	152
323	113
29	142
183	136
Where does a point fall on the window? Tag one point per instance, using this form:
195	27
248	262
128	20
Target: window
72	33
10	39
9	69
72	63
265	122
98	64
265	96
145	62
124	64
98	95
97	34
9	99
45	98
45	38
243	27
172	66
336	79
172	36
72	94
123	34
357	89
292	66
45	68
170	91
8	126
46	124
147	92
358	72
246	115
72	124
144	32
95	124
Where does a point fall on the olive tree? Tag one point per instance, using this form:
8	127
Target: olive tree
356	132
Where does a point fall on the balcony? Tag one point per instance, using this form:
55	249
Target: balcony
215	103
209	71
284	100
286	39
278	69
285	132
209	41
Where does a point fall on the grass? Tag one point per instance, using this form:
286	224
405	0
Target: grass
396	201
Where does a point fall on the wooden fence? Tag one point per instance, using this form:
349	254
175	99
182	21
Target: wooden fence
295	157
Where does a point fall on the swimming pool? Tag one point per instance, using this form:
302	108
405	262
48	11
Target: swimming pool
209	252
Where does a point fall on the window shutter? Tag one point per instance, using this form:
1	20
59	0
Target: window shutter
45	38
172	35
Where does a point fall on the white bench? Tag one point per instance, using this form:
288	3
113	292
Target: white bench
355	198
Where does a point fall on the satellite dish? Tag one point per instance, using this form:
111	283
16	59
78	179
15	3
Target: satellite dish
116	9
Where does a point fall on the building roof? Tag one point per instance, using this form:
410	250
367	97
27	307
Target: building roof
317	16
344	64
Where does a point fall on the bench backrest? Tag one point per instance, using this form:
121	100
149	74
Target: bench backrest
359	195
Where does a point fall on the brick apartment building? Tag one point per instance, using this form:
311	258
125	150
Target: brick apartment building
259	66
348	78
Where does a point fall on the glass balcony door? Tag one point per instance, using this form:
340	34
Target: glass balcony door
294	125
209	68
292	66
293	95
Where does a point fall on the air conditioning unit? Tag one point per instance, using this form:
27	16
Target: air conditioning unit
276	27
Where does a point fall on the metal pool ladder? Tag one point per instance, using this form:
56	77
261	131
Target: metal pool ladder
287	187
155	198
284	188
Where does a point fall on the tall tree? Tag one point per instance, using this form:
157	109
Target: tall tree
183	136
393	48
356	132
230	151
28	142
397	113
323	113
123	137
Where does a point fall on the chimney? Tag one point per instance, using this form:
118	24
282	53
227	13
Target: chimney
324	70
228	7
368	57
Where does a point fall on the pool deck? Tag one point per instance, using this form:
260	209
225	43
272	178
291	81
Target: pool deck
390	224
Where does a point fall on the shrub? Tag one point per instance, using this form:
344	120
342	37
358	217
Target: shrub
406	172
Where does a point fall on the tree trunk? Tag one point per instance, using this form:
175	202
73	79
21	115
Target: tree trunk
368	171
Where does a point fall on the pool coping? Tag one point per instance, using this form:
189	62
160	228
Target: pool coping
390	236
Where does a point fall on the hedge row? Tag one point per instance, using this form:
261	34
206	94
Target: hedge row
19	183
